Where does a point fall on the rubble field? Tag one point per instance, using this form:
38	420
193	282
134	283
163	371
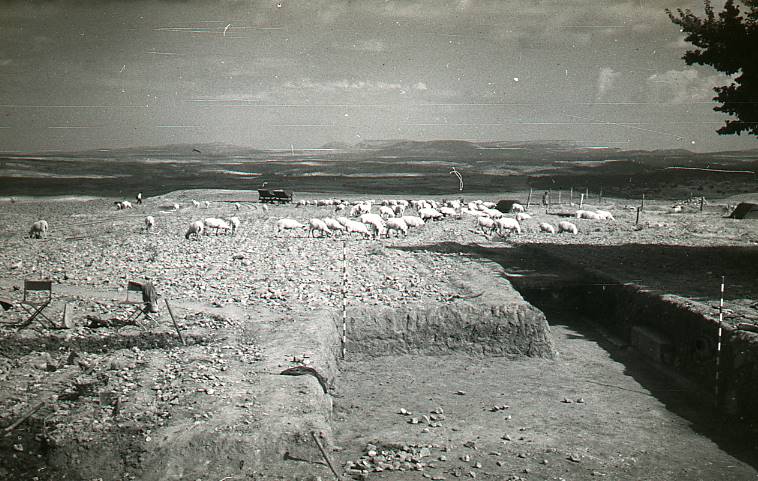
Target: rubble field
424	377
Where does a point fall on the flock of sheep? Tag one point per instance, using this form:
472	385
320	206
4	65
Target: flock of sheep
370	219
392	216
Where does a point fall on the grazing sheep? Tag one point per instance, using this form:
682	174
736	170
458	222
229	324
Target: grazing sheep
195	228
288	224
429	213
412	221
397	225
487	224
507	225
449	212
149	223
516	208
318	225
587	214
38	230
340	207
354	226
386	211
342	220
195	203
334	224
399	209
545	227
175	206
235	223
522	216
217	224
206	204
565	226
494	213
375	222
604	215
124	204
676	209
301	203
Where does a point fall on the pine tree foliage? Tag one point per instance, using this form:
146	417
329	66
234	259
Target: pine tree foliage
728	42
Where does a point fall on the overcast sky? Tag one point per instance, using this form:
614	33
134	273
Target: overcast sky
104	74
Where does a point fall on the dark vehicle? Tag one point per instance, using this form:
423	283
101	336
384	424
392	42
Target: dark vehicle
274	196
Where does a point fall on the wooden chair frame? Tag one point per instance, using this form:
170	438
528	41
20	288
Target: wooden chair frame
38	294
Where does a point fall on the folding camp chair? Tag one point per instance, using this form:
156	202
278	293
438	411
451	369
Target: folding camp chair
37	296
142	297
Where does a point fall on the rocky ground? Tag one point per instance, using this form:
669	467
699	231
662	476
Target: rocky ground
243	303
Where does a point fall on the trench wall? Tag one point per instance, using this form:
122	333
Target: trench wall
671	331
513	328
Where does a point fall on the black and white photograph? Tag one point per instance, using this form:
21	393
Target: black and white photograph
388	240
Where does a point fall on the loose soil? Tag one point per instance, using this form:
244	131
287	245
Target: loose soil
122	402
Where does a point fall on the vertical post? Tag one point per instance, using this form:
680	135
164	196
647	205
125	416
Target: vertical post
643	201
176	326
559	197
587	193
529	199
344	297
637	220
702	201
600	196
718	343
571	195
547	205
581	201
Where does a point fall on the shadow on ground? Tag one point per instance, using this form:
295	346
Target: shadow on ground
527	267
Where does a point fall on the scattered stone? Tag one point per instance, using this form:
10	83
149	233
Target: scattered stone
567	400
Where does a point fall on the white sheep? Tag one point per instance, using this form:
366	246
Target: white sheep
288	224
316	224
487	224
604	215
565	226
412	221
507	225
375	222
522	216
494	213
196	228
342	220
516	208
587	214
398	225
149	223
217	224
545	227
399	209
429	213
124	204
358	227
235	223
175	206
195	203
448	212
386	211
334	224
206	204
38	230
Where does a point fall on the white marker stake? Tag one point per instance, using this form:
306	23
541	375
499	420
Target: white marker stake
718	345
344	297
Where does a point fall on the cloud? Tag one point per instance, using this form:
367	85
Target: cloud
683	86
372	45
342	85
605	80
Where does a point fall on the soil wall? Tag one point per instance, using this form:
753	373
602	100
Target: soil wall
501	329
673	332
